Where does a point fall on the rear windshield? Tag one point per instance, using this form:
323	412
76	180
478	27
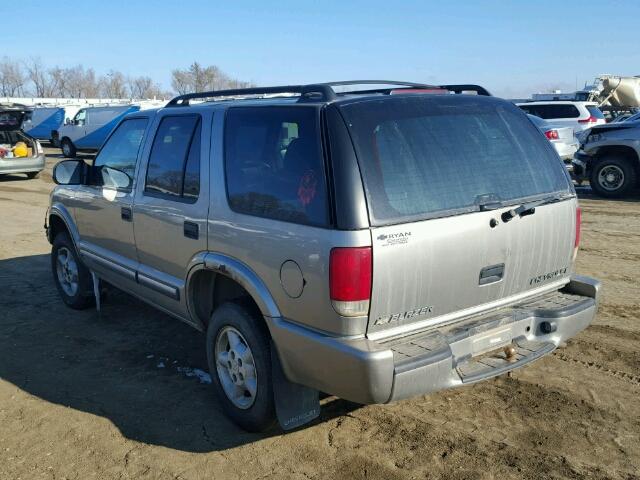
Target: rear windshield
552	110
595	112
432	156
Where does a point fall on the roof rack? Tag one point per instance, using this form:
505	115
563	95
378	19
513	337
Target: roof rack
322	91
467	87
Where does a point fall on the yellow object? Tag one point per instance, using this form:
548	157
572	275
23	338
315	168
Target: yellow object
20	150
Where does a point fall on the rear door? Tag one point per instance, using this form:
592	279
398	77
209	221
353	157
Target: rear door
439	174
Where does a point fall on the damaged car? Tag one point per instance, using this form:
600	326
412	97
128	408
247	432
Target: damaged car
19	152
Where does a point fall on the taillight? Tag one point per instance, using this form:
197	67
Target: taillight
350	280
551	134
576	243
591	119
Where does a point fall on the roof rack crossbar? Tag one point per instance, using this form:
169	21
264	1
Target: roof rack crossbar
379	82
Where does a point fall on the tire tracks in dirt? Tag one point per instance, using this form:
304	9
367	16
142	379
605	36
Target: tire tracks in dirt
624	376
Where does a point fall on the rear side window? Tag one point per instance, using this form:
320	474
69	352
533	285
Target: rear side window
595	112
274	164
174	161
423	157
552	110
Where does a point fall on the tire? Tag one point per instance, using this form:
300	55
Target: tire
76	294
68	148
32	175
613	176
254	412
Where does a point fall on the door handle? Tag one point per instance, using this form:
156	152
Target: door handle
126	214
191	230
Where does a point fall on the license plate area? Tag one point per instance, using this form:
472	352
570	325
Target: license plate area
491	340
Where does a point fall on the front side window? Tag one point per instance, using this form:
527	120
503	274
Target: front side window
80	117
274	164
174	161
120	152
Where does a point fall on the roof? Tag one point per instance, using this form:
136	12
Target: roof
318	92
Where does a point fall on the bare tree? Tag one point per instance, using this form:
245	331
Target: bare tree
197	78
12	78
58	78
81	83
145	88
39	77
113	85
182	82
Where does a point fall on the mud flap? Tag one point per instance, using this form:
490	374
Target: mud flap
96	290
295	403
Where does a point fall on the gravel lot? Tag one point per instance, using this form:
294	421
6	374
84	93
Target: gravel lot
85	396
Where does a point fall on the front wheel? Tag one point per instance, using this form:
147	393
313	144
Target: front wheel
68	148
612	176
71	276
32	175
239	359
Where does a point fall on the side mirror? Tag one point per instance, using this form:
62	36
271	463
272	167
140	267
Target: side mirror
68	121
114	178
70	172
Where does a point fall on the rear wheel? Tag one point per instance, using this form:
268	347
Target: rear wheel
68	148
72	278
32	175
613	176
239	358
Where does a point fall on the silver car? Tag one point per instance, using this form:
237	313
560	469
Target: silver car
374	244
19	152
562	138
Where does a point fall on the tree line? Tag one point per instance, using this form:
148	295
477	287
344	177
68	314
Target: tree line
34	78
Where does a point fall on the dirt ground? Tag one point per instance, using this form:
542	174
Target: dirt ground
85	396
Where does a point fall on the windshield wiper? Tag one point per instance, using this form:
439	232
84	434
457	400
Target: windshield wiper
529	208
488	201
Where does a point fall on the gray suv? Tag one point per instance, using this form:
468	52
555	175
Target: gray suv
609	157
372	244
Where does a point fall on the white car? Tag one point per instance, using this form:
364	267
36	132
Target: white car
578	115
562	138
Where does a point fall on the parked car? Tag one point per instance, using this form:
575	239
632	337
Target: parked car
610	159
578	115
42	122
19	152
373	245
562	138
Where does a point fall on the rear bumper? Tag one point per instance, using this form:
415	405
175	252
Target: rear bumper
22	164
367	371
565	150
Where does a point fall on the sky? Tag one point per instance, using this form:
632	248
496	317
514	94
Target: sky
513	48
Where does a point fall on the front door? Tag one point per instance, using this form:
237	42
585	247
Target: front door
171	207
104	208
